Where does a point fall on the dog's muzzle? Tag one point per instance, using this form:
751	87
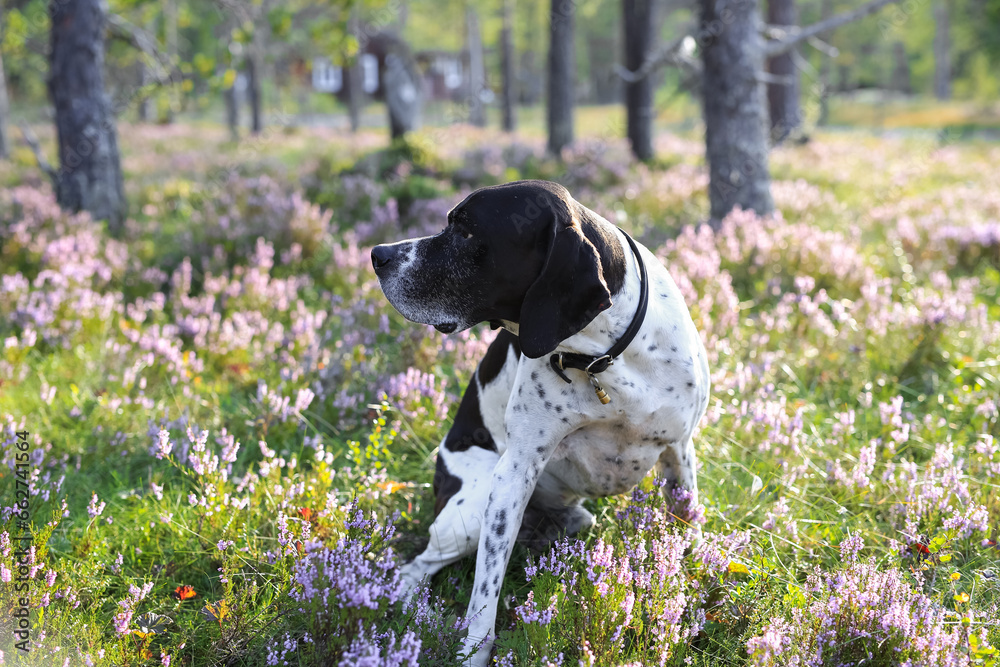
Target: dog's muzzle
392	263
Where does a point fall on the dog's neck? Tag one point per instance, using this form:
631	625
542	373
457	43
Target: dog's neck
512	327
621	273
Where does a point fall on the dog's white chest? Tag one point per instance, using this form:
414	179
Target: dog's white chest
603	460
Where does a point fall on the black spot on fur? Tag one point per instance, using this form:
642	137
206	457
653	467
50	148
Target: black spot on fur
468	429
501	526
496	356
446	485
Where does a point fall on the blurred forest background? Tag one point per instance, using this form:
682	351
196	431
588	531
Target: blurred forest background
526	66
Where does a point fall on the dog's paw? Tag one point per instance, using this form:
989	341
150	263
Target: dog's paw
477	652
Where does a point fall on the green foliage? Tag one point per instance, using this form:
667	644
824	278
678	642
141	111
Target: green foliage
854	355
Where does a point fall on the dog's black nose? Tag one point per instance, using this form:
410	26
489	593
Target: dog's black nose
382	255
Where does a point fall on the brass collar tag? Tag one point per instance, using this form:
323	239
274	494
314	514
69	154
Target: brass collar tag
602	395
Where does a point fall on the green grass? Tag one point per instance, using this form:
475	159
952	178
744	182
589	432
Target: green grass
791	360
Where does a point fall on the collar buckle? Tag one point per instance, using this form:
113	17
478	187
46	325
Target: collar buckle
599	365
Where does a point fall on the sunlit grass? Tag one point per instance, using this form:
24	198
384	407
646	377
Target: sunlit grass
853	343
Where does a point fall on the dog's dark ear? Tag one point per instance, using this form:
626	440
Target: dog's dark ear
567	295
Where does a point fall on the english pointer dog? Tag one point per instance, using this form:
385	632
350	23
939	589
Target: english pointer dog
598	376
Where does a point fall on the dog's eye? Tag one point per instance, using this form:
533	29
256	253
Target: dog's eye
466	234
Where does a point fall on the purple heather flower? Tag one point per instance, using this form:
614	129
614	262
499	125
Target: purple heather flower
850	547
529	612
94	509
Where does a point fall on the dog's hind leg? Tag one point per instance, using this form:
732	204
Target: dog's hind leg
462	486
552	514
541	526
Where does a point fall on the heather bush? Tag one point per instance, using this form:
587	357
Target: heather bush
866	612
231	434
634	597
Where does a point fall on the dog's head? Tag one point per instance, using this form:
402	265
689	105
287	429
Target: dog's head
517	253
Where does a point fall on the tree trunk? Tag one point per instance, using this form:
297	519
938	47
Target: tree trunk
170	36
352	73
4	113
638	18
901	69
90	175
532	77
735	115
783	98
508	100
4	103
143	94
562	70
844	83
253	90
232	111
532	80
402	91
942	52
825	67
477	70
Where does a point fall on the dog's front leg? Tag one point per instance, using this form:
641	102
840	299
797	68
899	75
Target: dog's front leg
531	440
